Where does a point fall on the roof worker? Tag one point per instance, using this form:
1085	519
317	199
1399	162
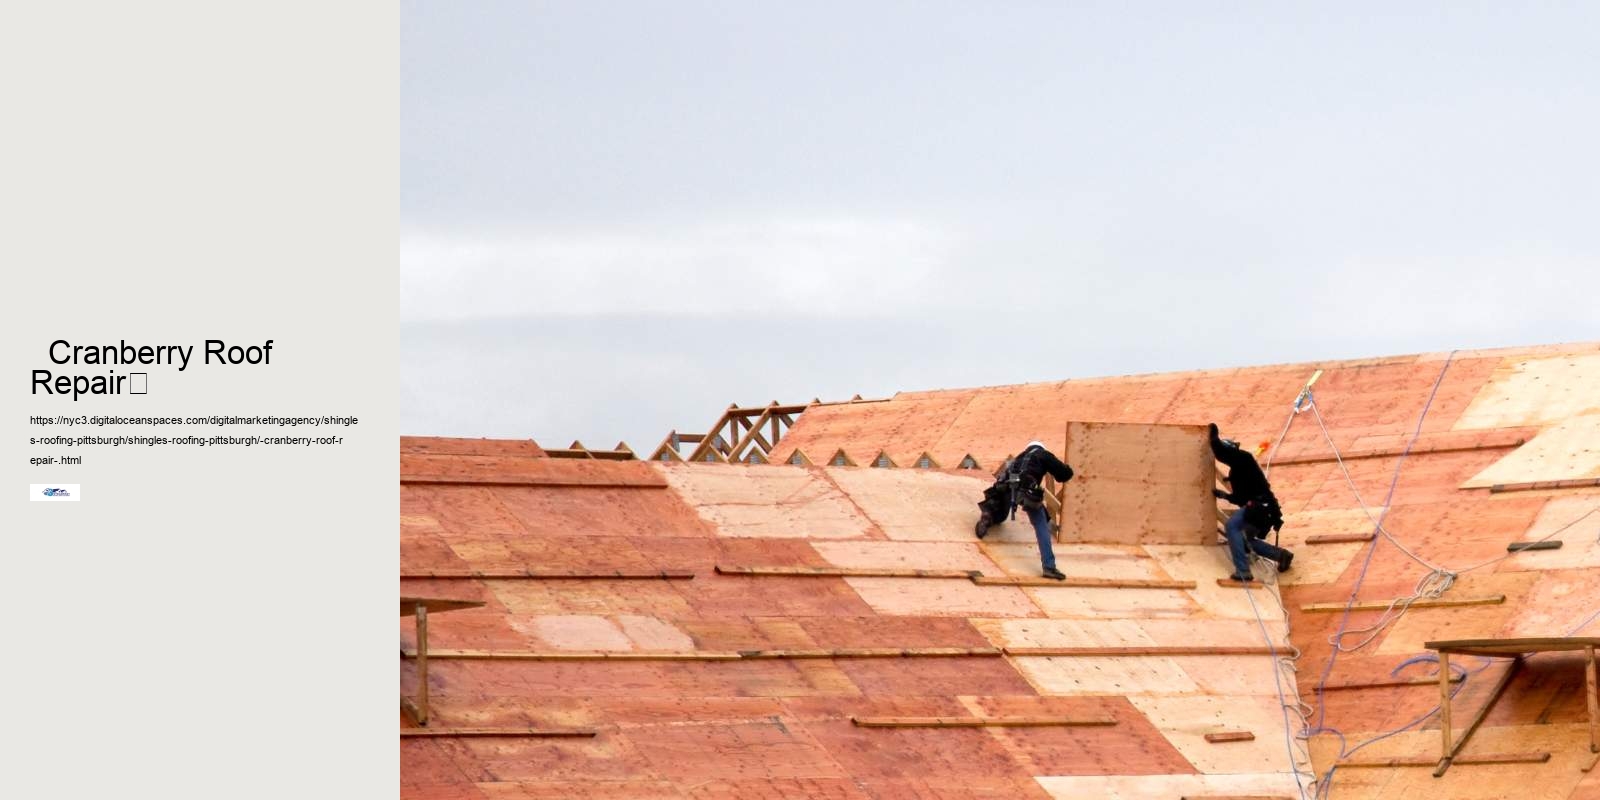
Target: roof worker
1258	508
1018	484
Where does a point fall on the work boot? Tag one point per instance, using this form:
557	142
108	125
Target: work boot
1284	560
1054	574
982	528
1242	578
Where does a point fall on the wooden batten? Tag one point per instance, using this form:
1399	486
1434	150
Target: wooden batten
1436	602
1338	538
982	722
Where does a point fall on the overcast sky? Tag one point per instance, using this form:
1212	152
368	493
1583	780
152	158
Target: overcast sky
617	218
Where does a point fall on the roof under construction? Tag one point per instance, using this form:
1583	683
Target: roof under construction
773	625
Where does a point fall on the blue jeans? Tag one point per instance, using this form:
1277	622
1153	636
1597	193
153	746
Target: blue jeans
1238	541
1041	530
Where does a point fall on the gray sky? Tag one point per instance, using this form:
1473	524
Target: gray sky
617	218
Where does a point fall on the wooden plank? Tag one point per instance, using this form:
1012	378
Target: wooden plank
705	655
543	733
421	612
1427	602
1138	484
982	722
1230	736
1477	719
1444	712
1338	538
409	605
1083	583
1594	698
877	652
1526	486
1539	757
529	574
1229	582
1152	650
1424	681
1548	544
577	655
1514	647
842	572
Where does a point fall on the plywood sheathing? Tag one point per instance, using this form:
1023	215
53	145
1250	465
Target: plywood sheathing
1143	787
913	505
902	429
1139	484
1568	450
767	501
1552	780
518	471
441	445
1536	392
1574	520
1368	405
1186	720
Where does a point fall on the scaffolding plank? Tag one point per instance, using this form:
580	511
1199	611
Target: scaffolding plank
1230	736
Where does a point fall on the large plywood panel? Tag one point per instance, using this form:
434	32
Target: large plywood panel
1105	676
1536	391
1150	787
907	555
1460	622
914	505
1021	557
1555	779
1138	484
1569	450
767	501
942	597
1572	520
1186	720
1204	565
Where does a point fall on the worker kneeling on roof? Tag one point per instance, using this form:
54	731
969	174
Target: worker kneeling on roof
1018	485
1258	508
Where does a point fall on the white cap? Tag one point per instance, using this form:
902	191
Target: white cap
1035	443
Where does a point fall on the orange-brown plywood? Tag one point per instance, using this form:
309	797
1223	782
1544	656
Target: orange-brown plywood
779	726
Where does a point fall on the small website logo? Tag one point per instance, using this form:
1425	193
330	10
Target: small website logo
54	492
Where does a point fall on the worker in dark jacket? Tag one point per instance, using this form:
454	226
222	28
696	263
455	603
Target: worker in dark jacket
1019	484
1258	508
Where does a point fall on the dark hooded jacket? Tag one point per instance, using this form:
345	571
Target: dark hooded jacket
1250	489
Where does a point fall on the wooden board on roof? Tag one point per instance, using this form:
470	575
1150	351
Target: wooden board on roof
1138	484
1568	451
